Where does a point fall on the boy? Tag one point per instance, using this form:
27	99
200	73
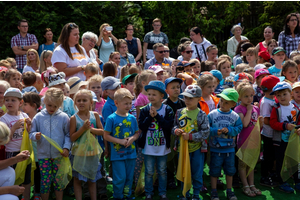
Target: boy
14	119
266	104
219	78
90	70
192	124
94	84
128	83
225	125
283	118
278	54
156	121
121	130
29	79
13	77
259	75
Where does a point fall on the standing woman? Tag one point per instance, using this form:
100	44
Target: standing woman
199	44
268	35
185	50
49	44
106	42
125	57
45	59
233	42
33	61
69	57
133	44
289	38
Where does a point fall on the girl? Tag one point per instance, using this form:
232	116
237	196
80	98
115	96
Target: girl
224	66
116	58
251	56
31	107
110	69
33	61
185	50
290	72
53	123
244	48
94	84
82	121
271	45
296	95
4	85
45	78
249	115
125	57
45	59
212	53
196	67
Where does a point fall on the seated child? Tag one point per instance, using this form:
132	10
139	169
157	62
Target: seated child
29	79
90	70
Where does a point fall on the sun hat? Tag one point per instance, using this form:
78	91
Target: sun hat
157	85
156	68
261	72
281	86
296	85
82	83
229	94
217	74
277	50
172	79
127	77
192	91
268	82
73	83
56	79
110	83
13	92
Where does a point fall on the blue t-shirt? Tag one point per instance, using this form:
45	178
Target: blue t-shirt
43	47
68	107
274	71
108	108
121	127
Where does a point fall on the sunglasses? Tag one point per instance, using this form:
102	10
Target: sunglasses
166	51
73	25
188	52
180	68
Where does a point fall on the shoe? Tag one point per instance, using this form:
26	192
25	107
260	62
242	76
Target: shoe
109	180
231	195
255	190
148	197
297	187
195	197
267	181
203	189
246	190
37	198
164	197
214	195
102	197
285	187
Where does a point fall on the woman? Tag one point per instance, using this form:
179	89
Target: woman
233	42
49	44
89	40
45	59
125	57
33	61
238	52
69	57
268	35
133	44
106	42
199	44
186	52
289	38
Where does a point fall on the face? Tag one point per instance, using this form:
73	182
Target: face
23	27
150	78
123	48
129	86
197	68
243	52
154	96
173	89
160	76
225	105
96	87
296	94
268	34
74	37
49	36
188	69
209	88
111	93
14	65
194	37
187	53
225	69
237	31
12	103
283	97
48	60
116	59
292	23
27	108
159	53
271	47
156	26
167	52
66	92
279	57
89	43
291	74
129	30
259	78
124	105
191	102
250	58
83	102
31	56
88	75
247	98
212	54
14	81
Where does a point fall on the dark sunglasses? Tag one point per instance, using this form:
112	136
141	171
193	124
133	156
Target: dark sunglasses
188	52
179	68
165	51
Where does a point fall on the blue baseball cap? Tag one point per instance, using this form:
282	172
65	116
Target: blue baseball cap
281	86
157	85
172	79
217	74
110	83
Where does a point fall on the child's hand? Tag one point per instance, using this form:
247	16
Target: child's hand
124	142
261	120
28	121
298	131
256	104
38	136
1	112
86	125
219	132
249	107
24	155
193	75
18	124
225	130
178	131
65	153
130	140
185	136
153	111
290	127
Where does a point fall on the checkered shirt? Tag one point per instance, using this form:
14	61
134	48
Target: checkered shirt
288	42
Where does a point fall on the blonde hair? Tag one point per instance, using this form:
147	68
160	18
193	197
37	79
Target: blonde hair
4	133
204	79
144	76
252	51
223	56
95	79
45	54
84	91
195	61
4	84
37	59
5	63
222	62
102	26
135	69
243	88
91	67
122	93
54	95
249	76
10	60
156	20
240	67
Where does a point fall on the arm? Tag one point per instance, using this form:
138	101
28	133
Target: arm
188	78
18	51
99	130
145	51
257	48
213	130
203	128
112	139
267	120
24	155
247	118
14	190
236	129
140	52
167	121
145	120
62	67
67	145
281	38
176	121
32	46
114	38
34	129
274	123
100	38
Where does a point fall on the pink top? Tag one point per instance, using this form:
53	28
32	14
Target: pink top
43	91
141	100
241	138
99	105
262	48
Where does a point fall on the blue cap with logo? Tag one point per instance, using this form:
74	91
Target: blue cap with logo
281	86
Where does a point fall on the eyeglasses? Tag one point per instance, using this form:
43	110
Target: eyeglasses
162	51
93	41
166	51
242	50
129	29
24	26
157	25
188	52
292	20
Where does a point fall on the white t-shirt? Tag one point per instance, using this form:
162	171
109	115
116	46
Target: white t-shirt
287	113
92	58
155	140
60	55
14	145
266	106
211	104
28	69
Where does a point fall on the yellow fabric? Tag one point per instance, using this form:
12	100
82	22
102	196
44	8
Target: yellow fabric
87	155
250	150
64	173
184	166
292	157
140	186
21	166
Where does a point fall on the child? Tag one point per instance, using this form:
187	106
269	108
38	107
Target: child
158	71
225	125
290	72
218	78
4	85
90	70
73	83
172	85
173	66
266	104
188	117
13	77
224	66
121	130
212	53
94	84
239	78
55	124
250	70
110	69
283	118
156	121
28	79
259	75
251	56
249	115
271	45
278	54
45	78
296	95
240	67
196	67
14	119
263	56
39	84
296	59
128	83
66	90
207	66
82	121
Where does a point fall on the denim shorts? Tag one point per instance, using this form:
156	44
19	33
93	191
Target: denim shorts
219	160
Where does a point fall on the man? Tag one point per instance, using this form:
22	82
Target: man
159	56
22	42
152	38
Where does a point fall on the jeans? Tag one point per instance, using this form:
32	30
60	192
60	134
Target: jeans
161	167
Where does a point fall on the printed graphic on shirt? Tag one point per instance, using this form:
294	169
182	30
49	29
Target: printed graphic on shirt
78	56
125	128
156	136
18	134
223	121
155	39
253	119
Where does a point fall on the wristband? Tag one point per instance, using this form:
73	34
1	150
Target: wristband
22	47
82	67
190	137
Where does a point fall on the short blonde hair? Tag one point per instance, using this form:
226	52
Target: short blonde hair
252	51
95	79
194	61
91	67
4	133
4	84
240	67
243	88
11	73
84	91
222	62
5	63
54	95
122	93
223	56
204	79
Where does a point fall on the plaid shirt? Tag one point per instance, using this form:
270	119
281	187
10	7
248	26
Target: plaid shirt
18	40
288	42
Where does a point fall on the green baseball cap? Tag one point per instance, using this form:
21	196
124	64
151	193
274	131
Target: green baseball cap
127	77
229	94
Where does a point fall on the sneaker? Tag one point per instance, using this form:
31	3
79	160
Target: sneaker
285	187
109	180
297	187
148	197
164	197
195	197
267	181
231	195
214	195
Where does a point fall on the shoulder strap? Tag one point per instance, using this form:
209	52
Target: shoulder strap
199	58
204	52
43	46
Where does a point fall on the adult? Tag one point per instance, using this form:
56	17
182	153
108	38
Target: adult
199	44
106	42
159	56
167	53
289	38
69	57
45	60
48	43
268	35
233	42
152	38
174	52
33	61
125	57
186	52
22	42
89	40
133	44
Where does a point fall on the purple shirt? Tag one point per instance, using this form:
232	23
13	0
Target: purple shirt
18	40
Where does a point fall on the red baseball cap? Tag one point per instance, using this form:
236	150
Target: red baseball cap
265	55
268	82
